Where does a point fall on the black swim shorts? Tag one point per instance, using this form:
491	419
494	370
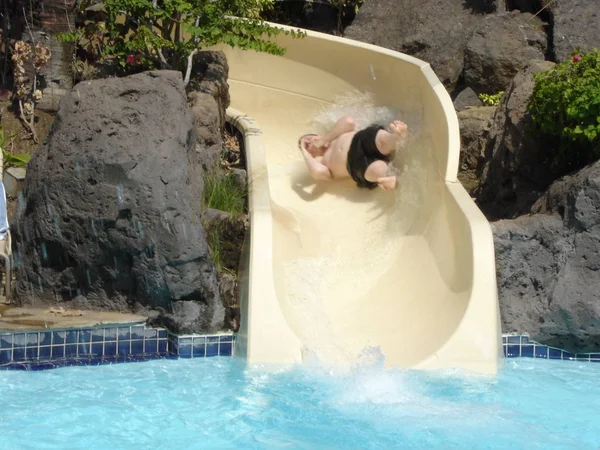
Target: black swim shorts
363	151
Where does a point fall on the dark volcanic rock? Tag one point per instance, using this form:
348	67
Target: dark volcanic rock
210	72
576	24
474	129
501	46
316	16
517	168
549	265
208	96
467	98
432	30
111	207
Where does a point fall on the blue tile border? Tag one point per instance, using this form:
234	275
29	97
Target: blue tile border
520	345
46	349
202	345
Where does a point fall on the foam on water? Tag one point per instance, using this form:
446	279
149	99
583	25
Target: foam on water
221	403
411	162
360	106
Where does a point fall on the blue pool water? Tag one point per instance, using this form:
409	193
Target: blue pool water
216	403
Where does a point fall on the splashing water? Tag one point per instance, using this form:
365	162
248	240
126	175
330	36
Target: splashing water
410	162
360	106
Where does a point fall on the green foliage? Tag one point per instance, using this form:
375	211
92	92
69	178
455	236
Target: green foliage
213	237
145	34
8	159
491	99
224	193
565	105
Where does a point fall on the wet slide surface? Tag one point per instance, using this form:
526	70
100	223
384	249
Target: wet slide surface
333	270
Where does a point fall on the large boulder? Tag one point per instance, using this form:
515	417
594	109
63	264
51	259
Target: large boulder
467	98
474	128
110	217
210	71
549	265
576	24
517	169
208	96
432	30
501	46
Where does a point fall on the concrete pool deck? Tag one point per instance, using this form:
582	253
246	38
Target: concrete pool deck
14	318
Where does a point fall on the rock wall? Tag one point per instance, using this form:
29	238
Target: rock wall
516	170
549	265
437	32
576	23
110	217
208	96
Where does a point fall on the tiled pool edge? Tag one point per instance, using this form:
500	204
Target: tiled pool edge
520	345
47	349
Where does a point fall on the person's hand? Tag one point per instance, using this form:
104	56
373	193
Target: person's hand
320	143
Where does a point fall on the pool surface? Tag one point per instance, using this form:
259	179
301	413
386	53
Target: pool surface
221	403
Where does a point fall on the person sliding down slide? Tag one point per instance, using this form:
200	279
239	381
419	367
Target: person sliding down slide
345	152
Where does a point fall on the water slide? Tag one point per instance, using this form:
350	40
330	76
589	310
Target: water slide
332	272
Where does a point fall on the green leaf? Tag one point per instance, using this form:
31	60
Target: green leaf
18	160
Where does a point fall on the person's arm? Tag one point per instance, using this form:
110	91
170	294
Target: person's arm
317	170
343	125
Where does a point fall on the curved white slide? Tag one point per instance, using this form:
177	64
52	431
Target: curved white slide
330	270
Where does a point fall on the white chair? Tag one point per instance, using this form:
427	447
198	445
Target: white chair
5	241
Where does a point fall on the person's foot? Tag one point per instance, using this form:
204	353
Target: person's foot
387	183
398	127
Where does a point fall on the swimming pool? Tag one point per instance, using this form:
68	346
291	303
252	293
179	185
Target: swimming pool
222	403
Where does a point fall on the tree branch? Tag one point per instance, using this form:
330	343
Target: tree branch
163	61
188	70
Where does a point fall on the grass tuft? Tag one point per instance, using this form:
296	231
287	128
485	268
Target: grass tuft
223	193
214	243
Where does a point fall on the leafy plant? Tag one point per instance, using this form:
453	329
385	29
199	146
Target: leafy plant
146	34
565	105
491	99
9	159
225	194
83	71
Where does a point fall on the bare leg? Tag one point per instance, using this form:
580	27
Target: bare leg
377	172
386	142
344	125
